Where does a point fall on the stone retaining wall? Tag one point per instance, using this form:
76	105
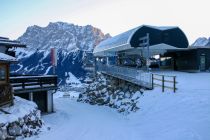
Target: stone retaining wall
112	92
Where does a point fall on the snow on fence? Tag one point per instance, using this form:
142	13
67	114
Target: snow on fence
132	75
164	81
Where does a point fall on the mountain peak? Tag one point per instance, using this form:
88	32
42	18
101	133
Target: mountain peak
62	35
202	42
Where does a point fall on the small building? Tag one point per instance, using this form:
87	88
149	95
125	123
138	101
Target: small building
37	88
130	55
7	56
192	59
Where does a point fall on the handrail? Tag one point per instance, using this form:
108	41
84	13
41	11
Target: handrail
129	74
163	75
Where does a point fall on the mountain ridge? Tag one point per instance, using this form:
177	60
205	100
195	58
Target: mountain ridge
71	42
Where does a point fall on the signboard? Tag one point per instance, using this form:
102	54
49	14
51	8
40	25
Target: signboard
53	54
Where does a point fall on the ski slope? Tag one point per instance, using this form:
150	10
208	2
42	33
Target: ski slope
184	115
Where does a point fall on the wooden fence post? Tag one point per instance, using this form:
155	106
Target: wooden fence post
163	83
152	81
174	84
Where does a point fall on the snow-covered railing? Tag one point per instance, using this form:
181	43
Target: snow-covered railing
23	83
132	75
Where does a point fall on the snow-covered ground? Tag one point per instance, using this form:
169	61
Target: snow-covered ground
184	115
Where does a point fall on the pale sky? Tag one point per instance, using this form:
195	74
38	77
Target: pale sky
111	16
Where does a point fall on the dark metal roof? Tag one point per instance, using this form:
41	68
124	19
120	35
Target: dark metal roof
10	43
172	36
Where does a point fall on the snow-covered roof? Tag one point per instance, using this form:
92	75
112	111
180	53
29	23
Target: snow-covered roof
8	58
10	43
130	39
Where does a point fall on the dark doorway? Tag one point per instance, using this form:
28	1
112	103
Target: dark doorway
40	98
202	63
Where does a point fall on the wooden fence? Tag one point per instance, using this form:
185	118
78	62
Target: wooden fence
164	81
24	83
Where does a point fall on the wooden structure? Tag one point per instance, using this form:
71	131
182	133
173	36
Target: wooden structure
6	58
36	88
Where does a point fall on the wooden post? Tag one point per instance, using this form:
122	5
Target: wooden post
163	83
174	83
152	81
31	97
40	82
23	84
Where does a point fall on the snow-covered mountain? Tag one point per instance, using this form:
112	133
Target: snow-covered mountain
71	42
202	41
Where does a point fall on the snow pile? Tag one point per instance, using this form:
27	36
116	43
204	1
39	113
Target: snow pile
21	119
109	92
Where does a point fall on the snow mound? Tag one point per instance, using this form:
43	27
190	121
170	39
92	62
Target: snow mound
20	108
20	120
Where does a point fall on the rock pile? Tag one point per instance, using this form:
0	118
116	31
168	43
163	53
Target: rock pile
109	91
26	126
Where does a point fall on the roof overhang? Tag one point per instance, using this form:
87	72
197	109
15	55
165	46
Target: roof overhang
11	43
153	50
7	58
131	39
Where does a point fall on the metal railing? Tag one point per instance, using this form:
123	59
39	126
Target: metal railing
164	81
132	75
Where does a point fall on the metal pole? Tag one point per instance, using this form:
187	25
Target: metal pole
148	54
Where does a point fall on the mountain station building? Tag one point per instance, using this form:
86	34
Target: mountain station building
149	48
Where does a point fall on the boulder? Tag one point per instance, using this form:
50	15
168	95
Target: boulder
14	130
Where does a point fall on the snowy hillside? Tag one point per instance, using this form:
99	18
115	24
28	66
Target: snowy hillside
202	41
71	42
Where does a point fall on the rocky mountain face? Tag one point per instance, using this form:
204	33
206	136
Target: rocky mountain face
71	42
202	41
